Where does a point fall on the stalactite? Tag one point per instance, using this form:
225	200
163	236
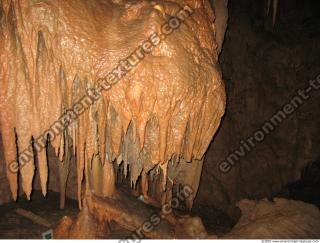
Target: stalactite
102	131
108	180
166	109
65	167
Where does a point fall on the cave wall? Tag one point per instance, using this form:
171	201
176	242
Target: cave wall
55	60
263	67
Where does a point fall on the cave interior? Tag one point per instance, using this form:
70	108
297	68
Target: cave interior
213	135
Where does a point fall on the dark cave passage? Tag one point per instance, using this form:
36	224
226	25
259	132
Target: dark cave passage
264	67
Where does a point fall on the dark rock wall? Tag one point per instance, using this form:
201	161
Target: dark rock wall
263	68
5	194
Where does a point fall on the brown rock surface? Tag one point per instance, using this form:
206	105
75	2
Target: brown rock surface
281	219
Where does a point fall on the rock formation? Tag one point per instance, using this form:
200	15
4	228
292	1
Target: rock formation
281	219
109	83
98	94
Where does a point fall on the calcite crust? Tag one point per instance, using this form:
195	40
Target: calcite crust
164	111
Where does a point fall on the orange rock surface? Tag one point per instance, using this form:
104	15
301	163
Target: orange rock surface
165	110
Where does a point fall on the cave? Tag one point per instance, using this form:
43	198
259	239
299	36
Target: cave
178	119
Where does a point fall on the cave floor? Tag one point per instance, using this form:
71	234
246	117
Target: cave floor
14	226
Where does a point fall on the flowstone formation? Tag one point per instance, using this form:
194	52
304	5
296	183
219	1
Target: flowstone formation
278	219
106	83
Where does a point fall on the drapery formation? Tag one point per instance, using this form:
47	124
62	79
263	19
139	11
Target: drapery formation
158	119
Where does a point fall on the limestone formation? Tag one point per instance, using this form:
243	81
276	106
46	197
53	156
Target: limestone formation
280	219
110	83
